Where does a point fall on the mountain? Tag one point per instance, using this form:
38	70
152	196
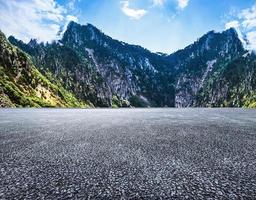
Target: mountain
196	64
21	84
214	71
232	84
102	70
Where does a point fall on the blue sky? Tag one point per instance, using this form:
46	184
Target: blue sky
159	25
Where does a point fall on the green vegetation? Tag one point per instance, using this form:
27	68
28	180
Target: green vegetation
231	85
119	102
87	68
22	85
250	101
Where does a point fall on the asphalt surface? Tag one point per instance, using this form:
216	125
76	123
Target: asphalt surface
127	154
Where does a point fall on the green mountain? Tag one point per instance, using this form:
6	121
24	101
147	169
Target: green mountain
104	71
214	71
232	84
22	85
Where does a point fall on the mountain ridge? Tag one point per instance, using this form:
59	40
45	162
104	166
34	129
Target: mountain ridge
108	72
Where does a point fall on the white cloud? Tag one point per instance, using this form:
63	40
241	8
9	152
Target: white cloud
245	24
249	17
251	36
132	13
71	4
71	18
182	4
40	19
232	24
158	2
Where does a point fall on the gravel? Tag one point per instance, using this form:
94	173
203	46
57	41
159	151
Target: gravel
127	154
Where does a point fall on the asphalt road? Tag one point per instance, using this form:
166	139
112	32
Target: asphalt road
127	154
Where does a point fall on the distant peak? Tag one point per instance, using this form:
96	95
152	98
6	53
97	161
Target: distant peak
11	37
14	40
90	25
33	43
211	32
72	24
230	31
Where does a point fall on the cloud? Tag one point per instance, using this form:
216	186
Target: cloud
232	24
251	36
40	19
248	16
158	2
71	18
71	4
132	13
245	24
182	4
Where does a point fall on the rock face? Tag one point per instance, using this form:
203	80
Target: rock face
107	72
231	85
197	63
21	84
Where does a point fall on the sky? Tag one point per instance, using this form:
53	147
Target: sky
158	25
